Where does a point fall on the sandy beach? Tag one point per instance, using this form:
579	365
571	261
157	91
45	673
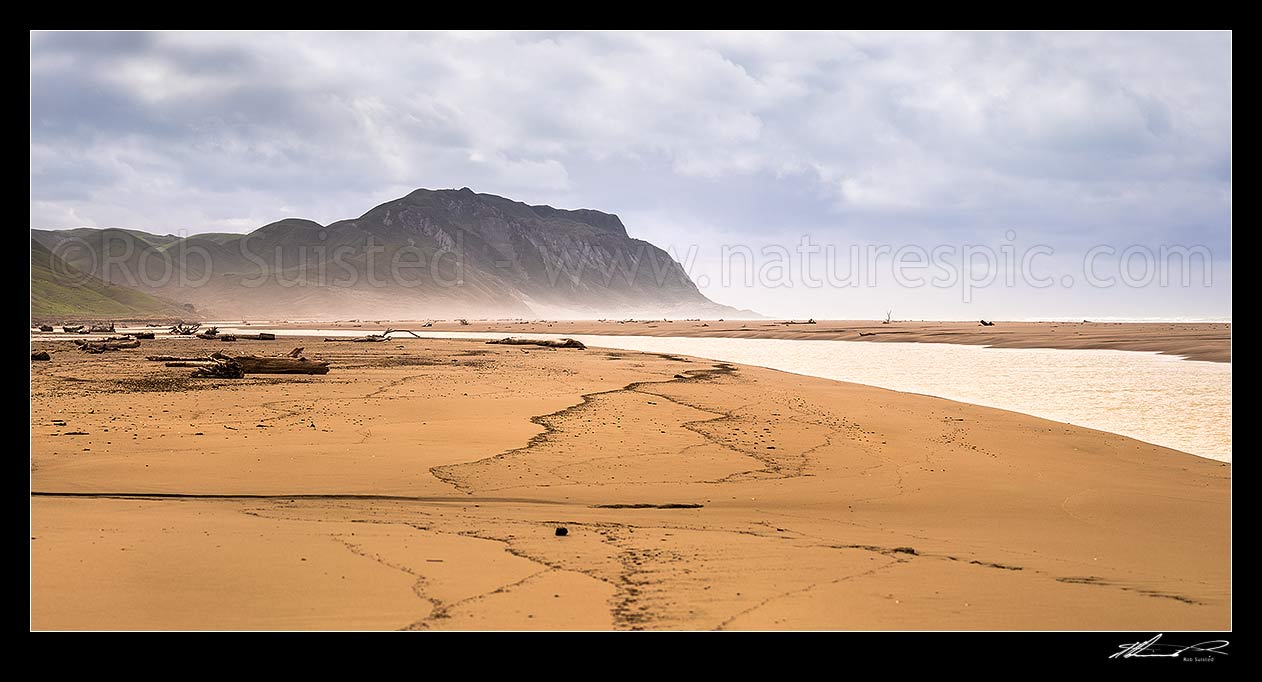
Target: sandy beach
420	485
1210	341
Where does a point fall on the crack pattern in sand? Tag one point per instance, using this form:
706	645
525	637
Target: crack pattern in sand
632	435
698	496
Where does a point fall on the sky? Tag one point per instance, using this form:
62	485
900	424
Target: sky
1056	175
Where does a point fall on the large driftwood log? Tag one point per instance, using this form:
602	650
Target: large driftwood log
222	368
261	336
213	366
102	346
144	335
45	327
547	343
101	329
182	329
72	330
253	364
40	355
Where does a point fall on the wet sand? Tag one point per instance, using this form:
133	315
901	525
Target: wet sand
421	482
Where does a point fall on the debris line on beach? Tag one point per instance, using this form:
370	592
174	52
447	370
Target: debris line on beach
546	343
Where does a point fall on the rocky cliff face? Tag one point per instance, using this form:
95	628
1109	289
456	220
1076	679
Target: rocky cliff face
432	253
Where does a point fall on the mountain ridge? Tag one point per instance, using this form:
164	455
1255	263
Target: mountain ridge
430	253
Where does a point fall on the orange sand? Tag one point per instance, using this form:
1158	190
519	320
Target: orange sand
418	485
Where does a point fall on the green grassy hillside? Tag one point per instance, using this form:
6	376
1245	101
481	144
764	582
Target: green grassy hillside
60	291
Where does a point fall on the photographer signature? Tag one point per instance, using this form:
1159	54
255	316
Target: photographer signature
1153	649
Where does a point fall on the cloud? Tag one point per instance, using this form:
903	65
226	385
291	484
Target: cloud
1077	136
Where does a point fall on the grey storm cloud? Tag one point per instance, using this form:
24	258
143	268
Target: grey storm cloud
1079	137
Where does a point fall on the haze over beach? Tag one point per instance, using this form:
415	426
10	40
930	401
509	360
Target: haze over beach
631	331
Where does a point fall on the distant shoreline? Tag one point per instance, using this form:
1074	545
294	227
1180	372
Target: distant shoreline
1206	341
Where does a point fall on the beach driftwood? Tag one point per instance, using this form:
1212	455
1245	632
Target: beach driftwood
391	330
219	368
102	346
547	343
374	338
209	333
261	336
214	365
182	329
371	338
72	330
987	324
101	329
45	327
144	335
297	352
41	355
253	364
